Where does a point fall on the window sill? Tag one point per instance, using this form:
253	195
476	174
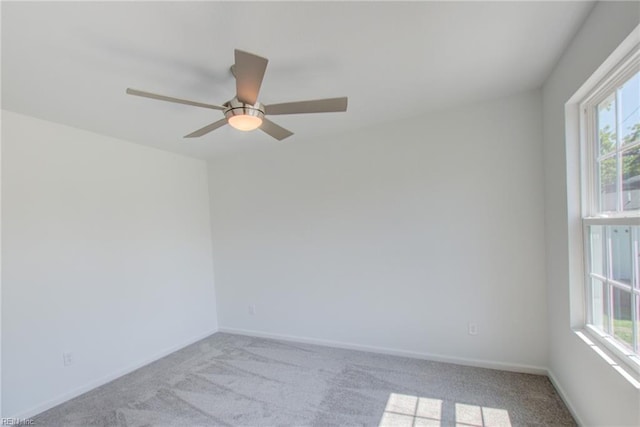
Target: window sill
620	359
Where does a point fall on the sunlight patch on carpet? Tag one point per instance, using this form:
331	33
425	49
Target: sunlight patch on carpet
413	411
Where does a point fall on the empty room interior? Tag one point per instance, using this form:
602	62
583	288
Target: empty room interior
320	213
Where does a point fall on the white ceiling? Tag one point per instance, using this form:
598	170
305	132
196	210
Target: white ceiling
71	62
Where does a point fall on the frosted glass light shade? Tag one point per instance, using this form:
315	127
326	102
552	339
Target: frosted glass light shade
245	122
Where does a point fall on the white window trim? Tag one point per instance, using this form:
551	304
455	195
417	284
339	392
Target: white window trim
606	347
590	215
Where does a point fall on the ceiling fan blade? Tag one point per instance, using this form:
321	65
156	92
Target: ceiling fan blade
208	128
171	99
329	105
272	129
249	71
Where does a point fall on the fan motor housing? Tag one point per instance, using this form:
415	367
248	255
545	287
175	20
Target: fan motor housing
235	107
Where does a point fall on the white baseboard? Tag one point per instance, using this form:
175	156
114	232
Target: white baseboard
565	397
108	378
527	369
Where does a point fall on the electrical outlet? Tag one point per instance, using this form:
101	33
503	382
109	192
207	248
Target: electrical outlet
252	309
67	359
473	328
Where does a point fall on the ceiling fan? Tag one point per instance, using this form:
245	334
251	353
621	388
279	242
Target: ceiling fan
244	112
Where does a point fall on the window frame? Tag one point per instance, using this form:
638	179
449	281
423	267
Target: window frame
609	341
590	202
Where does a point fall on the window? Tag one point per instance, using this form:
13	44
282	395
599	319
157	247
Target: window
611	209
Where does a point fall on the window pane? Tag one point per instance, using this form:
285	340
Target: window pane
621	260
608	172
631	179
607	125
630	103
597	250
599	304
622	324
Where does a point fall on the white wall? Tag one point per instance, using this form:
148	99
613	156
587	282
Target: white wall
106	254
392	237
596	392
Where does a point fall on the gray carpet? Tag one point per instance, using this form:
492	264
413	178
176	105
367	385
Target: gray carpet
232	380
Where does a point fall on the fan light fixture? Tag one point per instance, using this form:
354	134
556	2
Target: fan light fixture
245	122
243	116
